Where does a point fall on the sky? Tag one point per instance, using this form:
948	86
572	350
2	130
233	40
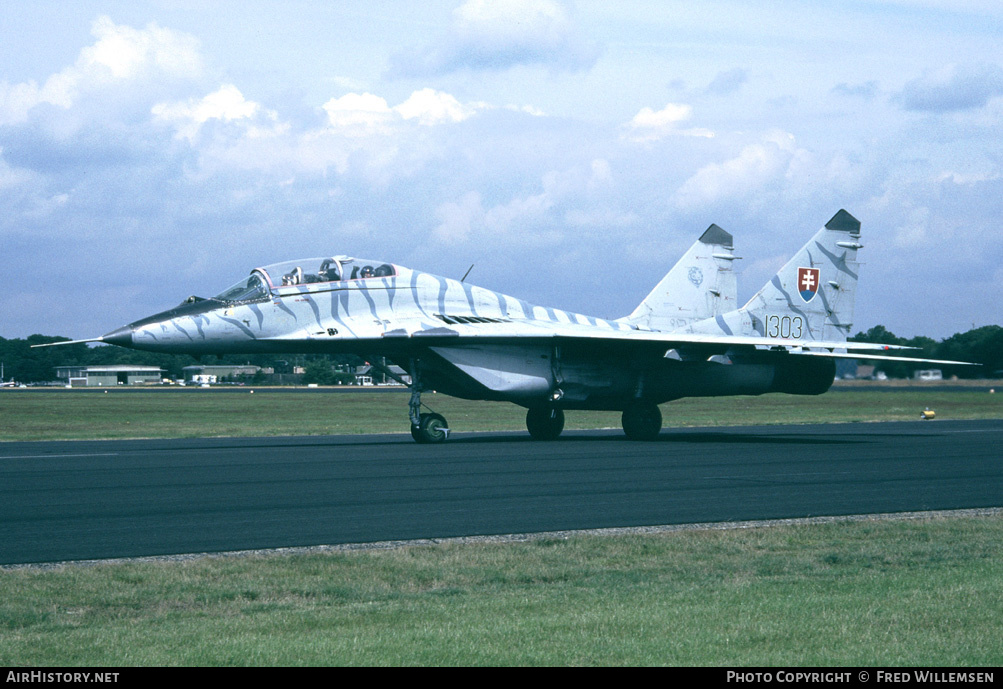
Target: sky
569	151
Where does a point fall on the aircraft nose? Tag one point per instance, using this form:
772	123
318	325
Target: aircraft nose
121	337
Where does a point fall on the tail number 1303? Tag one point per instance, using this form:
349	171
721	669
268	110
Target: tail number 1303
785	327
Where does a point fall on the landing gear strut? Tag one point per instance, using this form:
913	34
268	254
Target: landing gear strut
425	428
642	421
544	423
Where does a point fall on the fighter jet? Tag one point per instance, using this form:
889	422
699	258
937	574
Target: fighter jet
687	338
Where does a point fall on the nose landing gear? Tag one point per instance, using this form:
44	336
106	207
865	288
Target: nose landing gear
425	428
431	428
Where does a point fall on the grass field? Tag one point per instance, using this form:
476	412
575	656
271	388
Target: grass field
893	593
852	593
72	414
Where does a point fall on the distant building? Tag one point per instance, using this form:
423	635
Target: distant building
865	372
371	375
120	374
846	369
929	374
364	375
219	372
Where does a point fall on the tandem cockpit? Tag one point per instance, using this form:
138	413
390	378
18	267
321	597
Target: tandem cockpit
264	281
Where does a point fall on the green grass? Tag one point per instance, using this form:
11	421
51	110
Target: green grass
70	414
849	593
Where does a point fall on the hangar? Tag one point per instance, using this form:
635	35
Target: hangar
118	374
213	373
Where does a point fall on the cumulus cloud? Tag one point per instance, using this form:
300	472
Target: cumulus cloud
227	104
127	53
360	130
120	54
520	219
364	127
371	113
430	107
362	110
531	220
953	88
755	167
131	157
652	125
499	34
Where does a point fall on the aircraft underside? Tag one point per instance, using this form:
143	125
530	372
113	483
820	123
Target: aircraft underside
587	380
548	379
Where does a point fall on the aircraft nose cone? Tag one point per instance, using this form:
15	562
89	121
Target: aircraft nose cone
121	337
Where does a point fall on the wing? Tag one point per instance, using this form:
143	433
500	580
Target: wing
496	331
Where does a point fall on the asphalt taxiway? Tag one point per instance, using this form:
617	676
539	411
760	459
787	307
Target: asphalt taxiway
64	501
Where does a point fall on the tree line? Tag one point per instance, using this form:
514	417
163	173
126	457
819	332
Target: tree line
980	346
26	365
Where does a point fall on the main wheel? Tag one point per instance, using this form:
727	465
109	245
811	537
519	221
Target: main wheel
544	423
642	421
431	428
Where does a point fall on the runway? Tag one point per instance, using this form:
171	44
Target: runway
106	499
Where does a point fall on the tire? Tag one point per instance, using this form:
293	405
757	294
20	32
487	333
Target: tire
432	428
642	421
544	423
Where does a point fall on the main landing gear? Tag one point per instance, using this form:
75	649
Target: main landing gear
544	423
642	421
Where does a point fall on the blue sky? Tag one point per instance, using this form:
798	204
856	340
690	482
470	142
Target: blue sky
571	151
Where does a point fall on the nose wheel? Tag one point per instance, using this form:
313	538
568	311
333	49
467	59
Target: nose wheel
431	428
425	428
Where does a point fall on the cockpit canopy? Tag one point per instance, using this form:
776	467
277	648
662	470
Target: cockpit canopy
307	271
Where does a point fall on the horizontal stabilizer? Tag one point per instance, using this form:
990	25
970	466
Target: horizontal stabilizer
883	357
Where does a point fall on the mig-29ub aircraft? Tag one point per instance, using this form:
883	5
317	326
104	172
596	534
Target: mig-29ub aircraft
686	339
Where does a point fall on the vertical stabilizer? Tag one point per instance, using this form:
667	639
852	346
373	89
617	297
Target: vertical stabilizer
701	285
810	298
